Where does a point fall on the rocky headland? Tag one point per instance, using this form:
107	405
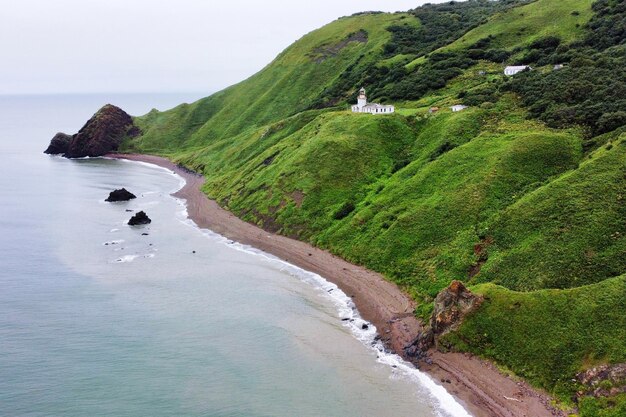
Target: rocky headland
103	133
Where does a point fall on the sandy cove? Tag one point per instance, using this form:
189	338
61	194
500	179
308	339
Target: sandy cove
478	385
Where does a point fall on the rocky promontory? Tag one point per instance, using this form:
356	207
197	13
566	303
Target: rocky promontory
59	144
103	133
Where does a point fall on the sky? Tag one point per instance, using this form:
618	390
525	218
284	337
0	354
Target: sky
127	46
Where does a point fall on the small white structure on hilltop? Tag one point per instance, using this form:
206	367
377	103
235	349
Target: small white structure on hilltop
373	108
515	69
458	107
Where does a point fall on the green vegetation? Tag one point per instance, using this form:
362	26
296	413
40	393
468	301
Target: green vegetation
591	89
604	407
557	333
442	24
520	26
565	234
522	195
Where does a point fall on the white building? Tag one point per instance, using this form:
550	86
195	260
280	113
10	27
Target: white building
515	69
458	107
373	108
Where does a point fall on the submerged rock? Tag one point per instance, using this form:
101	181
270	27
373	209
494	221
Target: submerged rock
59	144
139	219
103	133
120	195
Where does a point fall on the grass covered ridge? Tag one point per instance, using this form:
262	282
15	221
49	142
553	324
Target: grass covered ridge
557	333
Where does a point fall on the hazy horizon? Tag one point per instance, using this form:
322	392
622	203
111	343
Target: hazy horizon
74	47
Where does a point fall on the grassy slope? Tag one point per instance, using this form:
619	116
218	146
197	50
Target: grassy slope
557	332
411	195
419	225
569	232
285	87
523	25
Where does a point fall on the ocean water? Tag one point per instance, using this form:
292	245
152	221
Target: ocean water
101	319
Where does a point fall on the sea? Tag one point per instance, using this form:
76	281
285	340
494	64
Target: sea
101	319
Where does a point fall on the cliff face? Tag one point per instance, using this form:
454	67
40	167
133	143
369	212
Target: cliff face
451	306
103	133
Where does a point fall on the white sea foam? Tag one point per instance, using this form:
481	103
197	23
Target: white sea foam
127	258
113	242
447	405
181	182
130	258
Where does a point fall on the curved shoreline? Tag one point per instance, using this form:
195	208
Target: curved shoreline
477	384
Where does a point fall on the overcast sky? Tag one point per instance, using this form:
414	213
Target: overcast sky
87	46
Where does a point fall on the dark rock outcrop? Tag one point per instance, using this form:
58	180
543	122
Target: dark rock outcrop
120	195
139	219
59	144
452	305
603	381
103	133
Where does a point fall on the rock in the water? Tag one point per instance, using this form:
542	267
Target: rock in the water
103	133
59	144
120	195
139	219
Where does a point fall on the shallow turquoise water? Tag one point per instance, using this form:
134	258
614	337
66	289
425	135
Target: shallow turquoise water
98	319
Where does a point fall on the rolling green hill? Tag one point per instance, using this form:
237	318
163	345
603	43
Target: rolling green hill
522	195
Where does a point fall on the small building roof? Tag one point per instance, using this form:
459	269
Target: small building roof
517	67
376	106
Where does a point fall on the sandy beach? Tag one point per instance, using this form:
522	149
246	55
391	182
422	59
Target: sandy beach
477	384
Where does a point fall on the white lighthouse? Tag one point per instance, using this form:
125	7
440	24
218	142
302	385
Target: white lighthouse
361	106
362	99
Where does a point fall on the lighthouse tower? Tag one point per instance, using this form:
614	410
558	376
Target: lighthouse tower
362	99
362	106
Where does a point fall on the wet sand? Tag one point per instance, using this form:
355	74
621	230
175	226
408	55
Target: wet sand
477	384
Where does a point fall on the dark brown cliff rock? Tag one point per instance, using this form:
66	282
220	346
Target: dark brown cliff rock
59	144
451	307
103	133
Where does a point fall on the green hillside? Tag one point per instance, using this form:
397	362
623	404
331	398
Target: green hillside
525	24
286	87
522	195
